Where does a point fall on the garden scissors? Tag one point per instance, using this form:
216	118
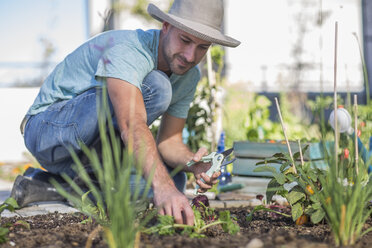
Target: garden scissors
217	160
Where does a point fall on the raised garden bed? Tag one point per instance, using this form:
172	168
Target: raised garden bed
66	230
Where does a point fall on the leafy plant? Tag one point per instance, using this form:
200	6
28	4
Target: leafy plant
291	185
166	225
11	205
345	203
105	193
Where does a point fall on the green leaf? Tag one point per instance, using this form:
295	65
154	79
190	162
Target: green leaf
295	196
10	204
229	226
22	224
297	211
317	216
271	190
279	177
3	235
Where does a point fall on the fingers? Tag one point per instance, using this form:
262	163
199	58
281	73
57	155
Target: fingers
200	153
189	215
177	214
205	182
175	204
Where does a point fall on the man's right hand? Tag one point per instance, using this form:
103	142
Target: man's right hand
171	202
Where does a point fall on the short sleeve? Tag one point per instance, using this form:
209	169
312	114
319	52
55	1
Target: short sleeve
183	93
125	62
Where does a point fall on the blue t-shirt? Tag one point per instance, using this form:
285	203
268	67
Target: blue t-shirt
124	54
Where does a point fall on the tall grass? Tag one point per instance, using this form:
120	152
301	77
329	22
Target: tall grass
111	201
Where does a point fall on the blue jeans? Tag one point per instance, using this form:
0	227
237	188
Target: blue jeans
49	134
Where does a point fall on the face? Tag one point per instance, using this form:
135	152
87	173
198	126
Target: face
179	51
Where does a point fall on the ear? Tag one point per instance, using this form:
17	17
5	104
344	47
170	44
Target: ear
165	28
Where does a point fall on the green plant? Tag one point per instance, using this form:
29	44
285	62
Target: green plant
291	185
345	202
259	127
105	195
202	222
11	205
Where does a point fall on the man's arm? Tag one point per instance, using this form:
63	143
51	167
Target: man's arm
131	115
175	153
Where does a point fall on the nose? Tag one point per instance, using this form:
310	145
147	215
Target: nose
189	54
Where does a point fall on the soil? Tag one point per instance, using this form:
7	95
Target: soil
66	230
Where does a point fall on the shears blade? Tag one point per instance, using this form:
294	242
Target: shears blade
227	152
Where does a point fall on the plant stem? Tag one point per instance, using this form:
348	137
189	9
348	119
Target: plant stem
365	72
356	132
285	136
302	158
335	97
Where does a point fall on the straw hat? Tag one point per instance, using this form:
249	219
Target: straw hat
200	18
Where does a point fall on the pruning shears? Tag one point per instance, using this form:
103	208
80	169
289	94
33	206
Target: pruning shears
217	160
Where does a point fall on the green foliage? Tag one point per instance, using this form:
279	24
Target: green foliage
166	225
11	205
109	199
202	111
343	194
291	185
259	127
344	202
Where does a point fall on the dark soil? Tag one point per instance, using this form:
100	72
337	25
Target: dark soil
66	230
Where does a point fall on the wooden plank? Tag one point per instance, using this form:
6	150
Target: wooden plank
248	149
246	166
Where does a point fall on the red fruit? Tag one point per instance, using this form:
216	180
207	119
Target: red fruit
346	153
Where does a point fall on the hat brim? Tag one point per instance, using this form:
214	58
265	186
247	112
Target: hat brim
198	30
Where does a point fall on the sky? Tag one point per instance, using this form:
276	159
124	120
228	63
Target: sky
23	23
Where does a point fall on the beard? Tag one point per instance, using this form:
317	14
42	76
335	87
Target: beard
176	62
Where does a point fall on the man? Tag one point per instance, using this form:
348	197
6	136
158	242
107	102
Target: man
149	74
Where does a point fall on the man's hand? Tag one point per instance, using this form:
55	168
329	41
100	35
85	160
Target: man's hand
172	202
200	169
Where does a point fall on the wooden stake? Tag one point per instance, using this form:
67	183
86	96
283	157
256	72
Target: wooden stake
335	98
356	132
285	135
302	158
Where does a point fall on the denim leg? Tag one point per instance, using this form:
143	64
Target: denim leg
49	134
157	94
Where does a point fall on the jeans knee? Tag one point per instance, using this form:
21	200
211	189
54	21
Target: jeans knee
161	89
157	94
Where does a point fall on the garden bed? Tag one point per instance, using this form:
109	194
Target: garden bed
66	230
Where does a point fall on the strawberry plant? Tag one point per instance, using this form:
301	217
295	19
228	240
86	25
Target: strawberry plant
290	184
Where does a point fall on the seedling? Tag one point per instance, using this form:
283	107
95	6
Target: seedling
11	205
203	220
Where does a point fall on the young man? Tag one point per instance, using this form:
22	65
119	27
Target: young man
149	74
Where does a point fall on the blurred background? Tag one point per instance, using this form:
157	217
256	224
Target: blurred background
287	51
